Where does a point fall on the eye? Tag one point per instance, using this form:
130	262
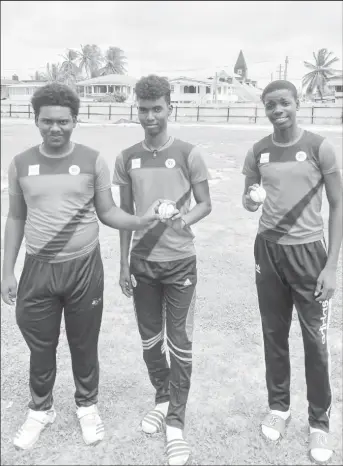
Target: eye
142	109
64	122
157	109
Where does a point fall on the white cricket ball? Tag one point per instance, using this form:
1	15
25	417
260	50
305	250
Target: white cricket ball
165	210
258	195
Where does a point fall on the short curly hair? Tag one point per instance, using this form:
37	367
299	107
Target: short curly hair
278	85
55	94
153	87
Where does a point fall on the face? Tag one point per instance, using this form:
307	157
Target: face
281	108
153	115
56	125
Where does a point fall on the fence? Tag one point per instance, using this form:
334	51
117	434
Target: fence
330	115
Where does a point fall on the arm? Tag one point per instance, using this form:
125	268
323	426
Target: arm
326	282
14	232
108	213
330	169
126	203
252	181
203	206
112	216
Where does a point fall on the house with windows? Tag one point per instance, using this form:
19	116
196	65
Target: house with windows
5	84
336	86
101	86
190	90
23	90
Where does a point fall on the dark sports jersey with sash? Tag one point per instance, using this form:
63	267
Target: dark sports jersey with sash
59	192
168	175
292	175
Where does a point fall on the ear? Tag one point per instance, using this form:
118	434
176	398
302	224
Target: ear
36	121
74	121
170	109
298	104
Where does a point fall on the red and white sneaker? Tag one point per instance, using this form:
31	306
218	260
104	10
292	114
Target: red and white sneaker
30	431
93	430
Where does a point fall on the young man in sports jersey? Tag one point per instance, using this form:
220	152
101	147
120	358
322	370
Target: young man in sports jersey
161	273
293	266
56	192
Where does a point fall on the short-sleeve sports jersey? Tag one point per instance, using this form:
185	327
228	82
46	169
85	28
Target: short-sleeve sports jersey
61	221
292	175
168	175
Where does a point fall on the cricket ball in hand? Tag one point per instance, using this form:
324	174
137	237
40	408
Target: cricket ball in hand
258	195
165	210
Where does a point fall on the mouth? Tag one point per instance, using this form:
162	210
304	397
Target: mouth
280	120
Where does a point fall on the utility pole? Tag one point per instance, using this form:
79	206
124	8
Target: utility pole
215	88
285	71
280	70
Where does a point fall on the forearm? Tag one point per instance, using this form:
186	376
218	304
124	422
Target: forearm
14	233
119	219
199	211
335	236
125	242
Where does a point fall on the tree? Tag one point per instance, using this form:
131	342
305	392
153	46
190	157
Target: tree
90	60
38	76
54	72
321	72
69	68
115	62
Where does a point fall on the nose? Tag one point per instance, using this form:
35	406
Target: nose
278	110
55	128
150	116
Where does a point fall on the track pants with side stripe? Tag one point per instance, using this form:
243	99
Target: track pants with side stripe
286	275
164	296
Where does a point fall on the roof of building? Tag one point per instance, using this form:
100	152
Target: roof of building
190	80
7	82
240	63
109	79
29	84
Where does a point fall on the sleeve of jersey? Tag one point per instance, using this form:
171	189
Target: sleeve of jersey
14	187
328	159
120	175
197	167
250	167
102	175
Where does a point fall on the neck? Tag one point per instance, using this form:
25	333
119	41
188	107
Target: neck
286	135
156	141
56	151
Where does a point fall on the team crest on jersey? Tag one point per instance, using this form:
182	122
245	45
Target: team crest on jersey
74	170
170	163
301	156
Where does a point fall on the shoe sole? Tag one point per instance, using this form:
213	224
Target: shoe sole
316	461
30	445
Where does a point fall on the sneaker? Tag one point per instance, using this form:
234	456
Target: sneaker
93	430
29	432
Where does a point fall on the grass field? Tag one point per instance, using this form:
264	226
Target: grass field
228	395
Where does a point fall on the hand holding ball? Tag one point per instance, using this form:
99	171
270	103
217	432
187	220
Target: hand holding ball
258	195
166	210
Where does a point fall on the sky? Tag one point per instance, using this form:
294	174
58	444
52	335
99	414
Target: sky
189	38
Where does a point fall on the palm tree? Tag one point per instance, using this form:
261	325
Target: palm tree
38	76
321	72
90	60
115	62
69	68
54	72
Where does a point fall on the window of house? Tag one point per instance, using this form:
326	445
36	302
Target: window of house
171	88
339	88
208	89
192	89
219	90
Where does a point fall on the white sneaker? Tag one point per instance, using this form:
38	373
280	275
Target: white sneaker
93	430
29	432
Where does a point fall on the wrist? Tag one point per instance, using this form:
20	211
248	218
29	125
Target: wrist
183	222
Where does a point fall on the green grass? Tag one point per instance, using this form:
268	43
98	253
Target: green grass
228	394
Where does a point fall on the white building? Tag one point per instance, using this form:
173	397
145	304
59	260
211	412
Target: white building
23	91
103	85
